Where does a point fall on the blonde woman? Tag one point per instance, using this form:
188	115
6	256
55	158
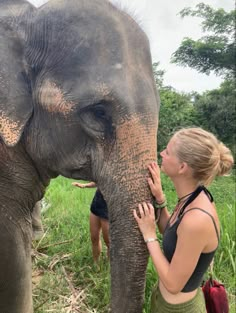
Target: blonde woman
191	234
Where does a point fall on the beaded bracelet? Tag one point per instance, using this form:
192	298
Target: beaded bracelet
159	205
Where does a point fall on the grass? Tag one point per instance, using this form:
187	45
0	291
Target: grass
65	278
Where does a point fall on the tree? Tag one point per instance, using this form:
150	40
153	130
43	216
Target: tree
176	110
214	52
216	112
158	74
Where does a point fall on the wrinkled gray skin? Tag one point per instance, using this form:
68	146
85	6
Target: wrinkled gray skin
78	99
37	225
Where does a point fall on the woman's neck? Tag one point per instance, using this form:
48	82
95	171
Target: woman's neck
185	187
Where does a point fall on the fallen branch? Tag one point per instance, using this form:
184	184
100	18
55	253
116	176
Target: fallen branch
72	288
58	259
44	235
55	244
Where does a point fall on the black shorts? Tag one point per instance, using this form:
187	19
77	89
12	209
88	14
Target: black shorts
98	206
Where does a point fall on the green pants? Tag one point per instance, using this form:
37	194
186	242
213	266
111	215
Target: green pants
195	305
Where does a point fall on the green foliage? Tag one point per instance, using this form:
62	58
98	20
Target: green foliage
216	112
158	74
66	248
217	21
176	111
214	52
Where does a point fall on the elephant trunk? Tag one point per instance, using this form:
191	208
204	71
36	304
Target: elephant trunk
126	186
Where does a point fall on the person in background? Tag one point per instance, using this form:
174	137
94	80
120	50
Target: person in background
98	220
191	234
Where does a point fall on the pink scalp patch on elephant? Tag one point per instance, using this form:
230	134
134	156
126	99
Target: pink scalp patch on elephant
137	137
102	89
52	99
9	130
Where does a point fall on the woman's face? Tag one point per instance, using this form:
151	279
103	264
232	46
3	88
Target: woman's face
170	163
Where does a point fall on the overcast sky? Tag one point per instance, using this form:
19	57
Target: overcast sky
166	30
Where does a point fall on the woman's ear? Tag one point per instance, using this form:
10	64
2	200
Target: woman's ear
183	168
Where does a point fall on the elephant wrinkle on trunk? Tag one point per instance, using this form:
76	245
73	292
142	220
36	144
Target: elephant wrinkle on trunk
78	99
126	174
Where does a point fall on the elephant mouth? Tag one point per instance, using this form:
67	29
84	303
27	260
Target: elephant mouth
78	173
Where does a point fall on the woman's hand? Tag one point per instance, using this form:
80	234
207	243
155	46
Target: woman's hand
146	221
155	182
76	184
85	185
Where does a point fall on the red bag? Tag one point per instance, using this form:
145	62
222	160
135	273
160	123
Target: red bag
215	297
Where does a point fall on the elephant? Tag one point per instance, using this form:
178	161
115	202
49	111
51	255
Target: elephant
77	99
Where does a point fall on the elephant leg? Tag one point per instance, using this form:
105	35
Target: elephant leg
15	266
37	226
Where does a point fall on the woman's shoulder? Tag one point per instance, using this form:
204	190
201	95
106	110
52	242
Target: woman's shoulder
195	219
201	208
200	220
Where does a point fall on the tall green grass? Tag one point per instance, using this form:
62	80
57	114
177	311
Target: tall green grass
63	263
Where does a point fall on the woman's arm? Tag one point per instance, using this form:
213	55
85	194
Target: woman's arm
190	244
85	185
163	220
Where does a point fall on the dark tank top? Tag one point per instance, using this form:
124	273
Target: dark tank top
170	240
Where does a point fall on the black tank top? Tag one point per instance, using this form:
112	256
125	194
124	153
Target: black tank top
170	241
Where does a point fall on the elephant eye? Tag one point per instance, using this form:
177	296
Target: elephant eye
99	112
97	119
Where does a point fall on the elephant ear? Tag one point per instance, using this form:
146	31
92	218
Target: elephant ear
15	96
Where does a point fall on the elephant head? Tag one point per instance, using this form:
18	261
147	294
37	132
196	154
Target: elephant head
78	99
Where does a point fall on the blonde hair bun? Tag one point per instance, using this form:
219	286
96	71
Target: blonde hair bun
226	160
